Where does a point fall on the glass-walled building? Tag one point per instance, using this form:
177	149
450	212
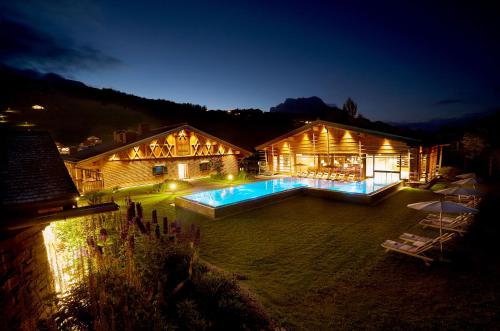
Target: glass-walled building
327	147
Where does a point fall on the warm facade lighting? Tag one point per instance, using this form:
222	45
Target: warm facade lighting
37	107
59	266
26	125
347	135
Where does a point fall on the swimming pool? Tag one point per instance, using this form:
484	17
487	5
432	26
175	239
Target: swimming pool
213	202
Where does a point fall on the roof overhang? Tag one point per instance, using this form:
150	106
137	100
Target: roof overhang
244	152
336	125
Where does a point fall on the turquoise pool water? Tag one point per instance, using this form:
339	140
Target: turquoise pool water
240	193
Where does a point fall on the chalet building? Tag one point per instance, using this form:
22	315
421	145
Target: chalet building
34	180
322	146
151	156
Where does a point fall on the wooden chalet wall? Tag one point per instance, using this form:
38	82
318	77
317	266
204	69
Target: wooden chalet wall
134	165
322	140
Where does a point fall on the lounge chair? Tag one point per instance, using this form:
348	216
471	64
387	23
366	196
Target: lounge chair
311	174
447	224
301	174
318	175
325	175
333	176
417	251
420	240
350	178
466	218
341	177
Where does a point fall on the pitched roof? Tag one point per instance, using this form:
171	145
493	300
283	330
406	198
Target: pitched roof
31	170
337	125
113	147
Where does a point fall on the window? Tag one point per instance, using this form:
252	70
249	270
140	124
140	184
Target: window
159	170
204	166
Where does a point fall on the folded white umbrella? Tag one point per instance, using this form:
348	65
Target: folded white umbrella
442	207
459	190
467	175
466	181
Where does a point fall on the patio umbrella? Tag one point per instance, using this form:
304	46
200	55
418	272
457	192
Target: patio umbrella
467	175
442	207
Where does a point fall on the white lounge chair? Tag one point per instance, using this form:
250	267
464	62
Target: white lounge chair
458	226
420	240
311	174
417	251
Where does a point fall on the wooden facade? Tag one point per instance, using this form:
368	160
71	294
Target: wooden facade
330	147
180	153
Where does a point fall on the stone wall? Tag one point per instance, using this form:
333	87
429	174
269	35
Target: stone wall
129	173
25	279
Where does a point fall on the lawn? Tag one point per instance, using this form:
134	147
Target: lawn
318	264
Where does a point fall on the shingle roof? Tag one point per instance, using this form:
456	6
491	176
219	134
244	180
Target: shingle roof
104	148
31	170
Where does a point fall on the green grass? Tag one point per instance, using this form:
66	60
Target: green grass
225	182
318	264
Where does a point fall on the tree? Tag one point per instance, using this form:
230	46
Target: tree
350	107
474	145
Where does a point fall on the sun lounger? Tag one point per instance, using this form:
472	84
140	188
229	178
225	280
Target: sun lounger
318	175
420	240
333	176
341	177
311	174
447	219
350	178
458	226
410	250
325	175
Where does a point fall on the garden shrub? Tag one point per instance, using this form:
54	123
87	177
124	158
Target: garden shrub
131	279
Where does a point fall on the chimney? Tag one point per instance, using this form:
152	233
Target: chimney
119	137
143	128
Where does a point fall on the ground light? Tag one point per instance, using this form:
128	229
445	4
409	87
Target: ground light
172	186
230	177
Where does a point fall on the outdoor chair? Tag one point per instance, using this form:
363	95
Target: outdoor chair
420	240
325	175
341	177
447	224
333	176
417	251
468	218
318	175
350	178
311	174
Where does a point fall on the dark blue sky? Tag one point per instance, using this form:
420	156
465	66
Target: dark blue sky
399	62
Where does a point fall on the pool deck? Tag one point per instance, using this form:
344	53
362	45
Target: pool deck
242	206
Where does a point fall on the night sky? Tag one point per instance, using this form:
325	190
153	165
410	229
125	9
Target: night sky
399	62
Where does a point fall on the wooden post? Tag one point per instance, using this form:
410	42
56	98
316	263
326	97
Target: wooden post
165	225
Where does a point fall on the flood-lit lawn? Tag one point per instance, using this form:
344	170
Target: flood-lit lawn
318	264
